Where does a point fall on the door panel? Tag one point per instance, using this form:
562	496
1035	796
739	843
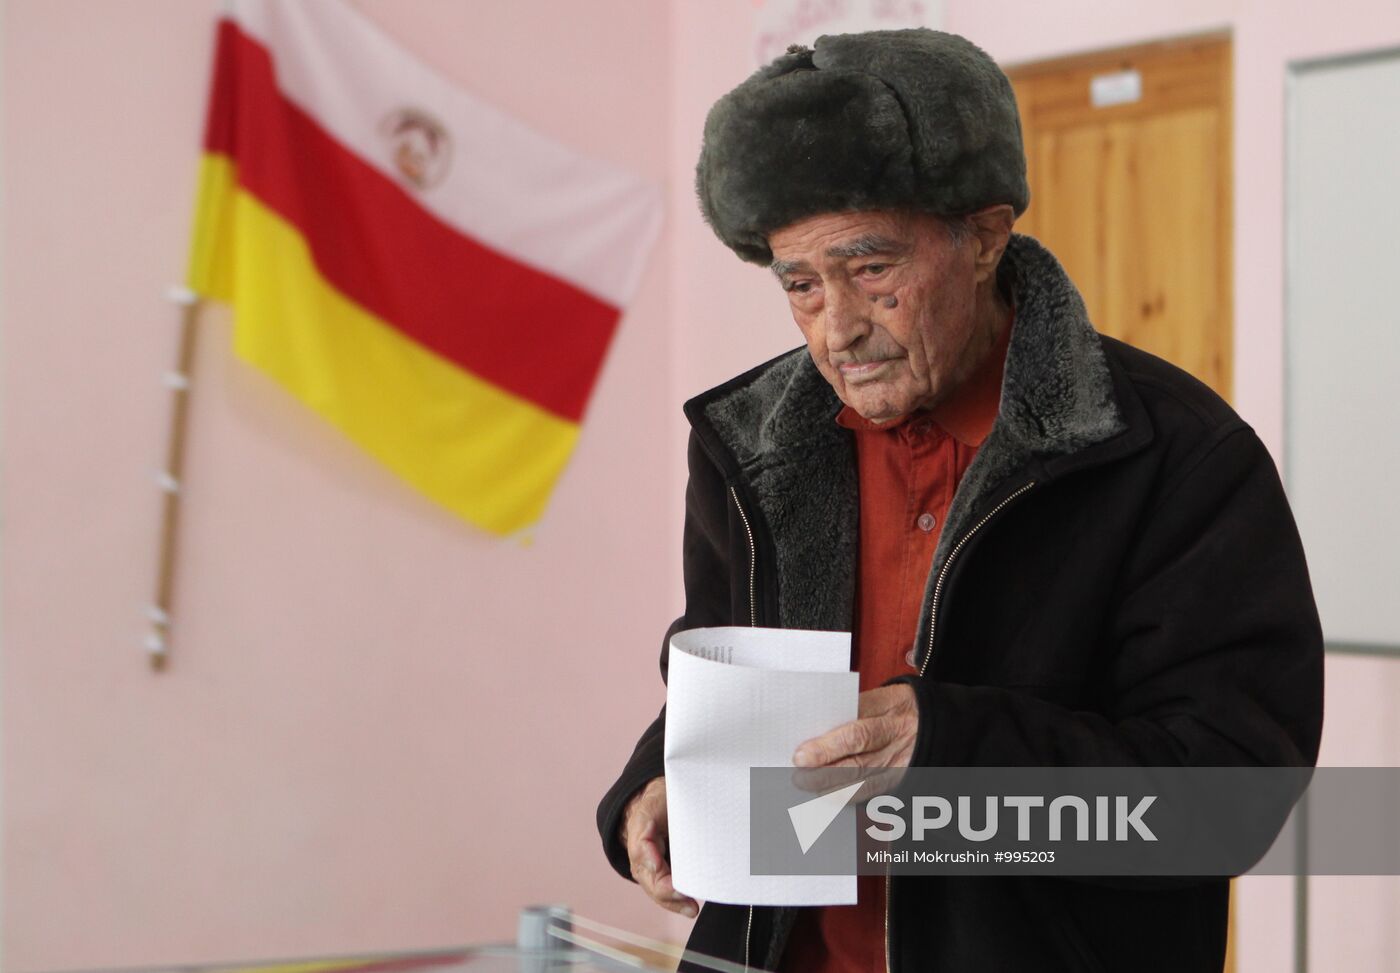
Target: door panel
1134	198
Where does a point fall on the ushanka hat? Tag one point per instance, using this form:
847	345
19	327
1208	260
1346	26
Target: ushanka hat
891	119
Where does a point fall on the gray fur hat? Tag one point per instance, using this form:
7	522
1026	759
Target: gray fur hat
914	119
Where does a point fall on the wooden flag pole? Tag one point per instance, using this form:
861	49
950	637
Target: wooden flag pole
178	381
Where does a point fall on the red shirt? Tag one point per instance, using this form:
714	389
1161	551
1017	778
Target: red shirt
908	470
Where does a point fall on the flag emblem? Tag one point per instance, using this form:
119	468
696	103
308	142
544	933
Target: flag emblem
420	146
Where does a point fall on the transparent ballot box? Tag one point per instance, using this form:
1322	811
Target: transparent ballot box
549	939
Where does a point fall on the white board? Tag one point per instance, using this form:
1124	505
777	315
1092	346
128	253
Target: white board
1342	386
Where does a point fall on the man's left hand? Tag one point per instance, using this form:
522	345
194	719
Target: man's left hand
882	735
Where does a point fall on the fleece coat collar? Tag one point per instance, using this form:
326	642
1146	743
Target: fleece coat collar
774	433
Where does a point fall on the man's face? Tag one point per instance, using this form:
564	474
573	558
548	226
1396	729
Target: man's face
888	305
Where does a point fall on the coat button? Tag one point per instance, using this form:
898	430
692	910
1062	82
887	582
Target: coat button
911	660
926	522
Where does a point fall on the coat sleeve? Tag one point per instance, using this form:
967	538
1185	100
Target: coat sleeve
1215	648
705	550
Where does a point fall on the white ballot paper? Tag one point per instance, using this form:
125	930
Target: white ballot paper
738	698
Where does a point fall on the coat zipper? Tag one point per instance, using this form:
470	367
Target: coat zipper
889	966
753	557
753	622
948	564
932	625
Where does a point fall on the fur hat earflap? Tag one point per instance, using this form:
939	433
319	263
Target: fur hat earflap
913	119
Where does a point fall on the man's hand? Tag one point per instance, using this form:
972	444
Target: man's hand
882	735
644	833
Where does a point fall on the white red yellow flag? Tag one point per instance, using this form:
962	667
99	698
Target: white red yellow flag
433	277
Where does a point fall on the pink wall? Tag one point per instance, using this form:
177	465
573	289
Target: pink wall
381	728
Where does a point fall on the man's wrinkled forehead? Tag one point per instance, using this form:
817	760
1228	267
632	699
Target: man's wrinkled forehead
862	244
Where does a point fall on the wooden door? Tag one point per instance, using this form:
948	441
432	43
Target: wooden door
1129	159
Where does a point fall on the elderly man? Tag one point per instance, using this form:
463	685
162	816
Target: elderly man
1052	549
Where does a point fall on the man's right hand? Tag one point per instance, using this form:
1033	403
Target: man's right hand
644	832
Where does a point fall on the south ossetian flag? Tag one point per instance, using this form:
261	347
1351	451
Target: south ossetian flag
434	278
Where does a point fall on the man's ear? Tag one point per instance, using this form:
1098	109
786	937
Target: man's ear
991	231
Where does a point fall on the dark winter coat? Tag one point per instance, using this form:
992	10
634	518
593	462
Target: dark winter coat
1119	581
